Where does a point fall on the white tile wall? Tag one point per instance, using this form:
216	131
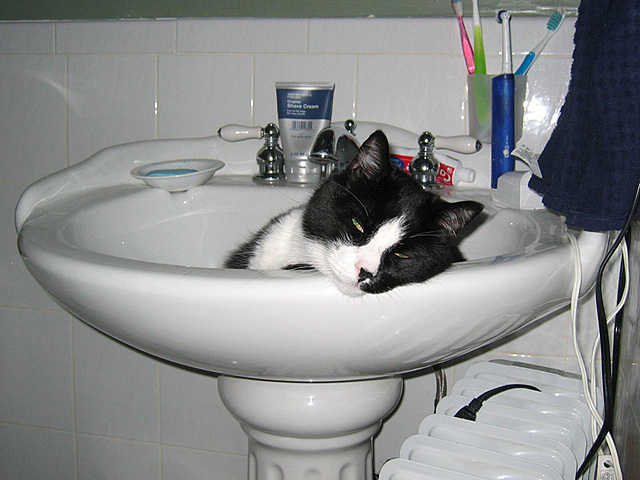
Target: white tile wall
112	100
31	452
199	93
27	38
76	404
242	36
116	388
33	125
105	457
118	37
380	36
36	368
413	90
627	420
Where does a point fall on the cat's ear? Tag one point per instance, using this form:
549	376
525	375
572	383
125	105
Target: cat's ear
452	217
372	160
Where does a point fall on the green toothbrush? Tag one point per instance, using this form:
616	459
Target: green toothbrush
478	45
482	98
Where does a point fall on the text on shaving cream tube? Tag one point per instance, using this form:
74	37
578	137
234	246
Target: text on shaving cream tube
303	110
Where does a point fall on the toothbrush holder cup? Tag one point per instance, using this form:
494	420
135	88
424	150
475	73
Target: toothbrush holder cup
479	102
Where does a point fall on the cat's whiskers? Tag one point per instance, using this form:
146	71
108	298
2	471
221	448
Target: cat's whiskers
301	268
270	274
397	296
366	212
394	294
434	233
255	276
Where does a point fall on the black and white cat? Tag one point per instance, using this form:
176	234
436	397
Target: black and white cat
370	228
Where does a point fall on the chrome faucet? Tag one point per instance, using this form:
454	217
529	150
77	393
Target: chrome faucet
424	166
335	147
270	157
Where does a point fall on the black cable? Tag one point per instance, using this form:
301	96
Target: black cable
605	350
605	358
617	328
469	412
441	385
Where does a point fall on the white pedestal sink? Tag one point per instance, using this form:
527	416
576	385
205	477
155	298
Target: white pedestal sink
308	372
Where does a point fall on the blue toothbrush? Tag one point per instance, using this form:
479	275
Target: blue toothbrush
553	25
503	108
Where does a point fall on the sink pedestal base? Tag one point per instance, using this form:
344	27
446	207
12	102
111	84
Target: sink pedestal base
310	431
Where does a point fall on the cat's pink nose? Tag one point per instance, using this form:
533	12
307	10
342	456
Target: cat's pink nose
364	274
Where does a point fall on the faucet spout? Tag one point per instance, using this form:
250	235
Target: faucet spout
335	147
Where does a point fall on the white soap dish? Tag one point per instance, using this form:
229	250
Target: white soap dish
177	175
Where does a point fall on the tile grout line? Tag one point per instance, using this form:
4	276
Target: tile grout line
155	99
160	440
66	94
252	100
74	396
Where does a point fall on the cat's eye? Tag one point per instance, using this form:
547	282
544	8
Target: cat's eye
357	224
401	255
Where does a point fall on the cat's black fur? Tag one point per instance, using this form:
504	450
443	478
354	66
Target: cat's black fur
338	231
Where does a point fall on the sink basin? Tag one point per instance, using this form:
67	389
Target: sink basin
144	265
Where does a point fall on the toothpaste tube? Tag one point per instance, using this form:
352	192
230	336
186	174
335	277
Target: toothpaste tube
303	110
451	171
401	157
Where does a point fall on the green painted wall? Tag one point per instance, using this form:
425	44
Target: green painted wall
116	9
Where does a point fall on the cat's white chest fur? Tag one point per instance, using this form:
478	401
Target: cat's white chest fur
283	244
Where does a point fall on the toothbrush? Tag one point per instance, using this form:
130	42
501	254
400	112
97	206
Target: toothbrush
504	18
503	109
467	51
553	25
478	44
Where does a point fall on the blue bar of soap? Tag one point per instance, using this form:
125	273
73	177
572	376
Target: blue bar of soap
166	172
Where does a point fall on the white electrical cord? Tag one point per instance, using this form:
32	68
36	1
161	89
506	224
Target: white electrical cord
590	392
597	421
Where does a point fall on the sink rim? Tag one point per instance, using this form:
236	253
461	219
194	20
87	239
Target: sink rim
60	217
49	230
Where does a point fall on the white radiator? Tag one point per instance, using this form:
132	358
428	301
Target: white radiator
518	434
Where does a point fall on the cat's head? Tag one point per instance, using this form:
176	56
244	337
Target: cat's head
374	228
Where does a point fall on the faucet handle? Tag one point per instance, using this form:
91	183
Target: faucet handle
424	166
457	143
270	157
236	133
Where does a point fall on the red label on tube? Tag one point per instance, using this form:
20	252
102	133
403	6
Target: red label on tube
445	174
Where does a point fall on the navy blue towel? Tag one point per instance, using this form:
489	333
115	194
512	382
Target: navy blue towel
591	164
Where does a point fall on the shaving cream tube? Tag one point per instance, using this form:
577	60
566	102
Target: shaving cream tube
303	110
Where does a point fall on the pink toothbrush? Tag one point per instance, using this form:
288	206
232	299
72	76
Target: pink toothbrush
467	51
